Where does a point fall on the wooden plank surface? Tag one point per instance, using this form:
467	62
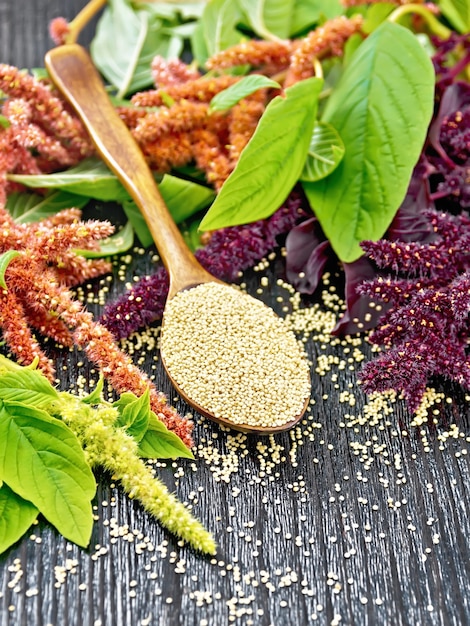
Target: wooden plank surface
335	523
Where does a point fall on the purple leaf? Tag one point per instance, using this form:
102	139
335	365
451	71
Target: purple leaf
361	311
307	254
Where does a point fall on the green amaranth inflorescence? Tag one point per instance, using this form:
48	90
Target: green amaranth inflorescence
111	447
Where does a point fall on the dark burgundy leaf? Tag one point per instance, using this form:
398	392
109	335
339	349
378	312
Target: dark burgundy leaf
361	313
307	254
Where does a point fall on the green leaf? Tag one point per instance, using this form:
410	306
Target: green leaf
183	198
16	516
271	162
457	12
27	207
182	10
191	234
143	30
4	121
381	108
28	386
160	443
376	14
239	90
40	73
138	222
116	244
307	13
324	154
269	19
199	50
90	178
134	413
7	365
218	24
350	47
5	259
41	460
155	440
96	396
166	43
118	64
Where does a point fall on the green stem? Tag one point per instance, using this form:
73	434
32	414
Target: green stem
317	66
434	24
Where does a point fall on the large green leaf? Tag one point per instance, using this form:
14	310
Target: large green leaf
119	23
218	25
90	178
199	49
26	207
16	516
306	13
41	460
269	19
164	42
186	10
141	35
183	198
272	161
381	108
28	386
376	14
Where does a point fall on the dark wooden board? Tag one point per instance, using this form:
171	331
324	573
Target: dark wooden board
358	525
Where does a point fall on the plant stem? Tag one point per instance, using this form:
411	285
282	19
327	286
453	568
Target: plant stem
436	27
317	66
82	18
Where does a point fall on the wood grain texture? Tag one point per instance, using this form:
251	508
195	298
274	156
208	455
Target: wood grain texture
359	525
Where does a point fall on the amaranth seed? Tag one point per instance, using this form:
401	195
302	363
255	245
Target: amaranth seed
232	355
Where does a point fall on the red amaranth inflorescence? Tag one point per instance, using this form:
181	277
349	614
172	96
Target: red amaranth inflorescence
426	330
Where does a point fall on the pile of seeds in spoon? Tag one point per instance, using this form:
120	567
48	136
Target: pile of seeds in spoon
232	355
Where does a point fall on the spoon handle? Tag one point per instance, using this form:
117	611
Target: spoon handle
74	74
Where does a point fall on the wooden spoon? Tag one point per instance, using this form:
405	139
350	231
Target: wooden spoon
72	70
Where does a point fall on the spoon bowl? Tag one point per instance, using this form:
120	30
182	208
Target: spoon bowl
72	71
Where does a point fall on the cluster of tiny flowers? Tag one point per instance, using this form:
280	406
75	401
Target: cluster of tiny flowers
426	330
229	252
58	30
40	108
328	39
110	447
43	269
37	298
173	123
